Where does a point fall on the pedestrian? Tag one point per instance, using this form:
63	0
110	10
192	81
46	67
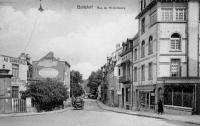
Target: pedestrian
160	107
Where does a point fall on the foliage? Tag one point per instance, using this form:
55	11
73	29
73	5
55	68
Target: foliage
46	94
94	81
75	80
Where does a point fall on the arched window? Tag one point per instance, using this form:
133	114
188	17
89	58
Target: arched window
175	42
135	54
143	49
150	45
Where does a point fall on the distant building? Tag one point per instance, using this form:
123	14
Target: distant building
18	68
111	88
51	67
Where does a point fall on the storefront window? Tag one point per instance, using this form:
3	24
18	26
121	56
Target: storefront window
178	96
177	99
168	96
187	97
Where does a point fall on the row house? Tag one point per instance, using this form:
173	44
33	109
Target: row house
125	73
110	87
166	56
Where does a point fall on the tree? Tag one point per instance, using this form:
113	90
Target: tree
46	94
75	80
94	81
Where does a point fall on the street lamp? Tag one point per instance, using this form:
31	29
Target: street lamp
40	8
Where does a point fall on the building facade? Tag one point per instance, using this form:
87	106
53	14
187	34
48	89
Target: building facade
110	87
18	68
51	67
166	56
126	73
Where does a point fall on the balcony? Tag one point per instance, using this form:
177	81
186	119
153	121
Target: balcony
125	79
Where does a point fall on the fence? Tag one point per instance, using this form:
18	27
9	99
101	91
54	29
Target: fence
18	105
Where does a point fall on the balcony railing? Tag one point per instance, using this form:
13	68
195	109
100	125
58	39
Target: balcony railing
125	79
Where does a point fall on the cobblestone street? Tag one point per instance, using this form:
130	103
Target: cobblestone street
92	115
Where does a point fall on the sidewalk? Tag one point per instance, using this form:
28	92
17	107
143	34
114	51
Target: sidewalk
192	119
32	113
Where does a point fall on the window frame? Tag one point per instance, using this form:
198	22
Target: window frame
175	42
143	49
178	72
150	45
143	72
15	70
135	74
135	54
150	71
143	25
177	14
153	17
164	13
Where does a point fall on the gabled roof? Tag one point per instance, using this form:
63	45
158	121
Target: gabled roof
49	56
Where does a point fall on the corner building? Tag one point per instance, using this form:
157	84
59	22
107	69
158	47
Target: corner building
166	56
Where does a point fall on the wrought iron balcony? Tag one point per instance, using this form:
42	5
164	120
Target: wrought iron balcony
125	79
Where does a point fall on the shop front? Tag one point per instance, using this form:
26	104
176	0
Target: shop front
145	97
126	96
180	95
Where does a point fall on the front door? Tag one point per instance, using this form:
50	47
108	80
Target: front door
122	97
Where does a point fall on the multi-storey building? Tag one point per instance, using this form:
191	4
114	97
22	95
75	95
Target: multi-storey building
51	67
110	87
18	68
166	56
126	73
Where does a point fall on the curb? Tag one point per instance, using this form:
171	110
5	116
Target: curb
32	114
147	116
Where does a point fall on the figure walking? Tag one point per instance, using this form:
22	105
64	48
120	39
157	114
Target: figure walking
160	107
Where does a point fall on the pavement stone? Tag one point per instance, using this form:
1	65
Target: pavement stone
191	119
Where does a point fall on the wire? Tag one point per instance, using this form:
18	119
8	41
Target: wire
31	35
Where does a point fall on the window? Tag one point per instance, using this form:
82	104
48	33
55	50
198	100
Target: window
153	18
15	91
150	71
180	14
143	73
143	49
15	70
128	94
175	67
150	45
135	54
143	26
119	72
175	42
167	14
135	74
141	5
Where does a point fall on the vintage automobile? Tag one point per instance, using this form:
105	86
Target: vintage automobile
78	103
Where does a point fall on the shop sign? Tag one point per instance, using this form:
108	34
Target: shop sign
14	60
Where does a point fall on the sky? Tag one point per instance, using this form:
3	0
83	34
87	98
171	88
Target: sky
82	37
